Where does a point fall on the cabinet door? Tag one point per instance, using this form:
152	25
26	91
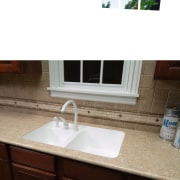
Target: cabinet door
21	172
83	171
3	152
5	172
20	67
167	70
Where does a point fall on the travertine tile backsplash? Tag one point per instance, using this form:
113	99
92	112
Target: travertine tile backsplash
154	95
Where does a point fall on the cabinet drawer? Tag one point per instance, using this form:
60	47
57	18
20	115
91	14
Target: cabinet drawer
83	171
22	172
3	152
32	158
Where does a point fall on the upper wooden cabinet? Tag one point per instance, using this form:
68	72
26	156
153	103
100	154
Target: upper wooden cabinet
167	70
20	66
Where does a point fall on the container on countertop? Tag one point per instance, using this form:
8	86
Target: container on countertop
169	124
176	142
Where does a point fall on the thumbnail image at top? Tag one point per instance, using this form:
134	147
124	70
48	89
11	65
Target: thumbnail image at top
132	4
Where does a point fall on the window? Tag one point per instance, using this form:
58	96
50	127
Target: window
101	80
99	72
132	4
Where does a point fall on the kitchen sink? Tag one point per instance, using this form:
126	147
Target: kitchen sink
93	140
52	134
98	141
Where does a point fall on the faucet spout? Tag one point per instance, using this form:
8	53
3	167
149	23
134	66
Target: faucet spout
75	112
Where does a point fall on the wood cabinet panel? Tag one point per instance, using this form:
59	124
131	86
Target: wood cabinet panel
135	177
84	171
10	66
66	178
32	158
167	70
32	165
20	67
5	171
21	172
3	152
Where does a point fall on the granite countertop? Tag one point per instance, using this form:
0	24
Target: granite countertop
142	153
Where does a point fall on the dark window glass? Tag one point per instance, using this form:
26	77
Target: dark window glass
72	71
91	71
112	72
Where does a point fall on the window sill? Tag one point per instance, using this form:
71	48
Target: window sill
91	95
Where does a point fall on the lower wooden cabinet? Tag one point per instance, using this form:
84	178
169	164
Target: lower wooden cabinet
32	158
135	177
83	171
32	165
24	164
21	172
5	171
66	178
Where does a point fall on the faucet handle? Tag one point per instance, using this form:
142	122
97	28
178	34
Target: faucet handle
65	123
56	119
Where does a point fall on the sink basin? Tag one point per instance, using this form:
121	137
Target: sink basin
51	134
98	141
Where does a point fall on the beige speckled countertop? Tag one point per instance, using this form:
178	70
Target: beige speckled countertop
142	153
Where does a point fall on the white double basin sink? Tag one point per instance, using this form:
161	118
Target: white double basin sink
93	140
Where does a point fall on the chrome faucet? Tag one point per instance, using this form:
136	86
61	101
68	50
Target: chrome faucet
75	112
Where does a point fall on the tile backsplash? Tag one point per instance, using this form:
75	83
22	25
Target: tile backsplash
154	95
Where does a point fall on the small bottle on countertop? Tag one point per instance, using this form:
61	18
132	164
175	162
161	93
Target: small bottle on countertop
169	124
176	142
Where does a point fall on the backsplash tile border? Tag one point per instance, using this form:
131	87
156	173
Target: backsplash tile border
105	115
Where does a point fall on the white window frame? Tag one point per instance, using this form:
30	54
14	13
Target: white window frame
126	93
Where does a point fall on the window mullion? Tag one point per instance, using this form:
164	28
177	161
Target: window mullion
101	71
81	73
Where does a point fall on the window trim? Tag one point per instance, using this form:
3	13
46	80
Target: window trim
126	93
